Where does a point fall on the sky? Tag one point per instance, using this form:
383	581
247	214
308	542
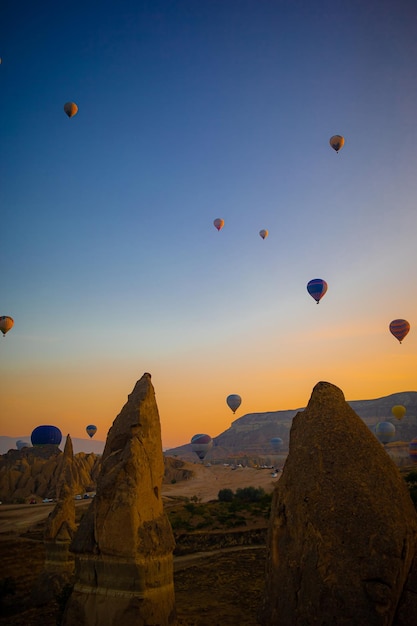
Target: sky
190	111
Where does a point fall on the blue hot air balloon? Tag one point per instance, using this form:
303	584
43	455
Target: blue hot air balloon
91	430
20	444
276	443
46	435
385	431
317	288
201	444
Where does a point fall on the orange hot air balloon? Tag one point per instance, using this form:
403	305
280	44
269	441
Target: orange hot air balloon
219	223
399	328
70	109
263	233
337	142
6	323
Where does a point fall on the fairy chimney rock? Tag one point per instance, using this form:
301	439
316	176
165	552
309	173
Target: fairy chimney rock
59	531
343	530
124	545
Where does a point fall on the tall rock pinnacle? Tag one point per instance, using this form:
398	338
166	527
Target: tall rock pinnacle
124	545
59	531
342	540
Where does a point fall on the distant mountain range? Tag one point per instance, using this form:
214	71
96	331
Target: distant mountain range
250	435
79	445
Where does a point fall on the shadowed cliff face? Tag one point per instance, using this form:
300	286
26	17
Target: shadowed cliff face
343	531
124	544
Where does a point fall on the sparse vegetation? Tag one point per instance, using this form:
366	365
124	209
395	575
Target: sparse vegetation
231	510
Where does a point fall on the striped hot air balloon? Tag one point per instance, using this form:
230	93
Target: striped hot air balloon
399	328
317	288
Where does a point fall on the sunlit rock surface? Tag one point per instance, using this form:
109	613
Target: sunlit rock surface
343	530
124	545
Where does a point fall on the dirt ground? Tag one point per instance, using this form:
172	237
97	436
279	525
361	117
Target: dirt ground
219	588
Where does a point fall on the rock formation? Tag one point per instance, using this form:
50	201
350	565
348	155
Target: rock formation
59	532
124	544
342	538
33	473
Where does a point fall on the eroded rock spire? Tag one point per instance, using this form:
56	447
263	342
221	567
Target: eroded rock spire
124	545
342	540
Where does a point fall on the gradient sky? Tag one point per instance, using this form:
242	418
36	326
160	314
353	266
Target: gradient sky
188	111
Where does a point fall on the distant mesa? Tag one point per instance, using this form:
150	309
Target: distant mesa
46	435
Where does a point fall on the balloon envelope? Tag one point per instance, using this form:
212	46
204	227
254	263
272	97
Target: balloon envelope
201	444
46	434
263	233
233	401
6	323
219	223
399	328
385	431
276	443
412	449
337	142
20	444
70	109
91	430
317	288
398	411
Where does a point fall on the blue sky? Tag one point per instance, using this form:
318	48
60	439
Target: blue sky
188	111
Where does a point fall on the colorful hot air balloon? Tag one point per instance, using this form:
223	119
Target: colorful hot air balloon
91	430
234	401
337	142
219	223
70	109
201	444
398	411
6	323
317	288
412	449
46	435
385	431
263	233
399	328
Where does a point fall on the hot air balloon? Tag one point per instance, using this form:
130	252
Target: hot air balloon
219	223
263	233
412	449
398	411
385	431
201	444
399	328
276	443
70	109
46	435
91	430
317	288
337	142
6	323
20	444
233	402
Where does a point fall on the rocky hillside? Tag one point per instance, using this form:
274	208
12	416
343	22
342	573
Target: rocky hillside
32	473
249	437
